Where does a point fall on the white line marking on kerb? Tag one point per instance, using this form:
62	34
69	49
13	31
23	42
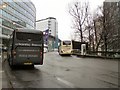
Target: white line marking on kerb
66	82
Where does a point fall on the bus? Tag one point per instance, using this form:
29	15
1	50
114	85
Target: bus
65	48
79	48
26	47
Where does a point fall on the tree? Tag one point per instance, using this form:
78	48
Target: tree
79	12
90	30
98	26
106	31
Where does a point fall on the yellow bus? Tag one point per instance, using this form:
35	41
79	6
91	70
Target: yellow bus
65	48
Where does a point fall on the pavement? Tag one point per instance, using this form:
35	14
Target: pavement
0	77
4	81
97	56
1	71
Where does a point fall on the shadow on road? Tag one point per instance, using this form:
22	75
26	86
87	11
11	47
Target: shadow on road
65	55
22	67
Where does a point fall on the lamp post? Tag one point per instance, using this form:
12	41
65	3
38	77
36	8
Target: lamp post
4	5
46	36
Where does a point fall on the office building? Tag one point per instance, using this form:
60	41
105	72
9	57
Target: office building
49	26
112	25
16	14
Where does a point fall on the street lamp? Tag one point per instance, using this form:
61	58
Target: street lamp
4	5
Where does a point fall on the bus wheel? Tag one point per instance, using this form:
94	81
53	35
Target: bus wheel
11	64
8	59
59	54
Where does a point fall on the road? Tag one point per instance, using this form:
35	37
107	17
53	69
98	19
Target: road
66	72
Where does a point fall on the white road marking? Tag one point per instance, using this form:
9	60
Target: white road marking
65	82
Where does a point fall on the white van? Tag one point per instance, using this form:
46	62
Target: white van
45	48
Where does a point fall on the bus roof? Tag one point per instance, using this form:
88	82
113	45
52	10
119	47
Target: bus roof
28	30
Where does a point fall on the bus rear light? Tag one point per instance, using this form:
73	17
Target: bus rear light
41	53
14	52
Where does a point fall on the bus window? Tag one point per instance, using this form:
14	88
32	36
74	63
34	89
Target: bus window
66	42
28	36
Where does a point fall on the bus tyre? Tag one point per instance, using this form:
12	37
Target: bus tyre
11	64
9	60
59	53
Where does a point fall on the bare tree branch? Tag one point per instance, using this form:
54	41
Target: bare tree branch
79	13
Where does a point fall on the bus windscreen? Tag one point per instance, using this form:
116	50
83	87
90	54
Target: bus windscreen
28	36
66	42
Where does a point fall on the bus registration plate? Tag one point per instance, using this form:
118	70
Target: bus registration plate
27	63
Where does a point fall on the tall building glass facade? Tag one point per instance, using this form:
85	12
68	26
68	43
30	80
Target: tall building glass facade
16	14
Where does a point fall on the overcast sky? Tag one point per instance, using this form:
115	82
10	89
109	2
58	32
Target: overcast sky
59	10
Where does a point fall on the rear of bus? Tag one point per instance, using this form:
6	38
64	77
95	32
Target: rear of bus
65	48
27	48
